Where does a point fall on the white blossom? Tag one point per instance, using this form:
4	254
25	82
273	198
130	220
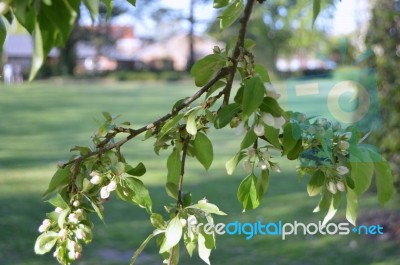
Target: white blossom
259	130
62	233
332	187
183	222
268	119
342	170
73	218
58	210
240	129
104	192
112	185
80	234
96	179
76	203
271	92
340	186
262	165
279	122
343	145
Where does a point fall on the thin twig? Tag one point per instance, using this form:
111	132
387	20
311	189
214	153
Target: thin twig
237	51
179	202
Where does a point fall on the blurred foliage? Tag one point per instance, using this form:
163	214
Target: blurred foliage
281	28
384	37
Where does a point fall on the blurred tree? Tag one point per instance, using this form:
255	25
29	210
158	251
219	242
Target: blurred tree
384	38
281	28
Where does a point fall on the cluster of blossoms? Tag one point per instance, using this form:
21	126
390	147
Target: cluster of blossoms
264	161
105	190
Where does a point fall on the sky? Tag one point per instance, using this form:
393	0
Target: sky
346	16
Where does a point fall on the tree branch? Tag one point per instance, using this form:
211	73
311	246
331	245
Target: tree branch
238	50
179	202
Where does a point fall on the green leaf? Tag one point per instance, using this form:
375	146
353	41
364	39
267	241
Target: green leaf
206	207
157	221
361	170
187	199
170	124
270	105
272	136
316	9
205	69
174	260
3	34
58	201
109	7
291	135
118	168
220	3
203	150
316	183
107	116
296	151
45	242
137	171
253	95
232	163
247	193
191	125
93	7
62	216
262	184
96	208
231	14
25	13
38	54
334	206
325	201
173	234
383	178
189	243
141	194
59	179
352	206
226	114
132	2
262	73
248	139
141	248
204	241
174	171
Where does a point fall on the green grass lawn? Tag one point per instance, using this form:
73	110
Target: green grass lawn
40	122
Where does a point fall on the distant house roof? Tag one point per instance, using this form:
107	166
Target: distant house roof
21	45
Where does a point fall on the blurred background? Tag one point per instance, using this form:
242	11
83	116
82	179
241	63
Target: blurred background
137	64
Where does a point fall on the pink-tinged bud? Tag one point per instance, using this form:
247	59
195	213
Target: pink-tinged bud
78	255
332	187
247	166
259	130
340	186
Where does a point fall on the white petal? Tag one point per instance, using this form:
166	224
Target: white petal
104	193
262	165
340	186
332	187
58	210
112	185
96	179
239	129
259	130
279	122
268	119
276	168
342	170
247	166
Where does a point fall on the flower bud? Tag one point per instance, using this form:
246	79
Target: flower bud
62	233
46	222
42	228
262	165
268	119
78	247
276	168
96	179
259	130
279	122
104	193
332	187
183	222
271	92
78	255
112	185
340	186
58	210
343	145
73	218
251	152
78	213
80	234
342	170
76	203
247	166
